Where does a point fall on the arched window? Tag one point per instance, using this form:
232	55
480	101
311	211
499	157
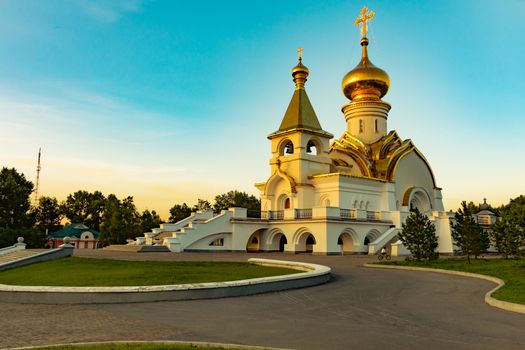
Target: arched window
219	242
311	148
377	126
288	148
361	126
255	240
287	203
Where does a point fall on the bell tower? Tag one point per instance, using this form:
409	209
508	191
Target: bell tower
299	149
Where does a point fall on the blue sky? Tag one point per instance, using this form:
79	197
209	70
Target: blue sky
170	101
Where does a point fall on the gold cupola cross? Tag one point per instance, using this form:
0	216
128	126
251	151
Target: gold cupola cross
361	21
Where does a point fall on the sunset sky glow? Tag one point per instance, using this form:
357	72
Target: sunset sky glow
170	101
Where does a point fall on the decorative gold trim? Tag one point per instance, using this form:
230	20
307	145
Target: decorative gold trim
406	196
378	160
304	185
318	176
420	155
321	133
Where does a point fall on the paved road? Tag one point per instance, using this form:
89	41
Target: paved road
361	308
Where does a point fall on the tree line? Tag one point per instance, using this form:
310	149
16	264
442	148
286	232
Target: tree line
116	219
507	234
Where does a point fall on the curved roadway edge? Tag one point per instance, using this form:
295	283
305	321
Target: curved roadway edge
161	342
312	275
505	305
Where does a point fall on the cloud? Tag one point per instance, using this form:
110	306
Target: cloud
110	11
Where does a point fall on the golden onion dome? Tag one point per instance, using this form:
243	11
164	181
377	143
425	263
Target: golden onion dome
300	68
300	73
365	81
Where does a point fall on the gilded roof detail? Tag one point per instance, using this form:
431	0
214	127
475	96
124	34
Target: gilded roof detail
379	159
300	113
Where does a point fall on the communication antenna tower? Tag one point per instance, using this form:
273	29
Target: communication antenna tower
38	168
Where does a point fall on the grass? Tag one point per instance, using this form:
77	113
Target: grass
131	346
511	271
77	271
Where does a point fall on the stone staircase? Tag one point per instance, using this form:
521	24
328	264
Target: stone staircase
157	235
30	256
17	255
387	238
196	230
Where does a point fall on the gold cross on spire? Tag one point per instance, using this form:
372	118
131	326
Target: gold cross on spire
300	53
361	21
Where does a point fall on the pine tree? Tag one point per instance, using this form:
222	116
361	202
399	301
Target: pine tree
468	235
418	235
508	233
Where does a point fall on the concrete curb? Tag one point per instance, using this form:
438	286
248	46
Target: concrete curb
505	305
312	275
167	342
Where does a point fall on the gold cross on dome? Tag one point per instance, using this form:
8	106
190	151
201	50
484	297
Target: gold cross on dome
300	52
361	21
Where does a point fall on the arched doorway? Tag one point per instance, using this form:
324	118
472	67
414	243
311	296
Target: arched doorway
282	242
254	243
371	236
274	240
347	241
310	241
417	198
304	241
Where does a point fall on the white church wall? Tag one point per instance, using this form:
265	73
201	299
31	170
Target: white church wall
305	197
280	190
326	190
413	172
388	200
217	242
361	194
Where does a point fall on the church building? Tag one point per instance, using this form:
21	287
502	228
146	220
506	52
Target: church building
349	195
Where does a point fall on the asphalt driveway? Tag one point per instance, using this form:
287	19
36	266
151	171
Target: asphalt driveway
361	308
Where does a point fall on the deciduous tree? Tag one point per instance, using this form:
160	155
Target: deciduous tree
202	205
47	214
15	192
120	221
84	207
179	212
236	199
149	220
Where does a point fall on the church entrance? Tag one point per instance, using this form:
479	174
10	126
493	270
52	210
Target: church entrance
310	241
254	242
346	241
274	241
282	242
304	242
419	200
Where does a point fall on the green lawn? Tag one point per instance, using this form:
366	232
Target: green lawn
132	346
510	271
76	271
